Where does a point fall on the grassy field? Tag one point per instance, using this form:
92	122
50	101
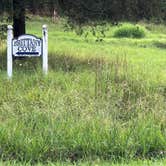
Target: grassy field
92	163
102	100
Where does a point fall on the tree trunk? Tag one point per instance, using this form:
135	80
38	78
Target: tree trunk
18	17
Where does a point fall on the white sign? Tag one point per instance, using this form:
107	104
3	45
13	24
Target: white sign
27	45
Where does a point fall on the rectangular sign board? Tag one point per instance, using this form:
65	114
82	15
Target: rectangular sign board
27	46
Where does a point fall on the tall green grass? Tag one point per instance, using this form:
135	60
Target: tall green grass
90	162
70	115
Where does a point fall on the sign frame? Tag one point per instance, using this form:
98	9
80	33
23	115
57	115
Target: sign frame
44	49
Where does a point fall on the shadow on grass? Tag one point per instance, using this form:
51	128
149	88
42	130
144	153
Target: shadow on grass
22	64
69	63
160	45
65	63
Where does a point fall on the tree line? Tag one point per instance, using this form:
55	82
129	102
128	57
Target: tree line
82	11
131	10
94	9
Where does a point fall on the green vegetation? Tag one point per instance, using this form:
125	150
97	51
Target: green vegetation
100	99
130	31
94	162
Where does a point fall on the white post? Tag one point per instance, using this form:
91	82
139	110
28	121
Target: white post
9	51
45	49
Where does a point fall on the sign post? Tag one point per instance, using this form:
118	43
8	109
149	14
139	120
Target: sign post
9	51
45	49
27	46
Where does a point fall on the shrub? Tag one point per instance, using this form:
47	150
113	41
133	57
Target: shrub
130	31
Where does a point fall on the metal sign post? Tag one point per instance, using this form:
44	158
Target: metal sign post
27	46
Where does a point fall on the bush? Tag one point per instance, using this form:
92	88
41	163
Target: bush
130	31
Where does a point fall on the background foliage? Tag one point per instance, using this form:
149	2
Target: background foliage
95	9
